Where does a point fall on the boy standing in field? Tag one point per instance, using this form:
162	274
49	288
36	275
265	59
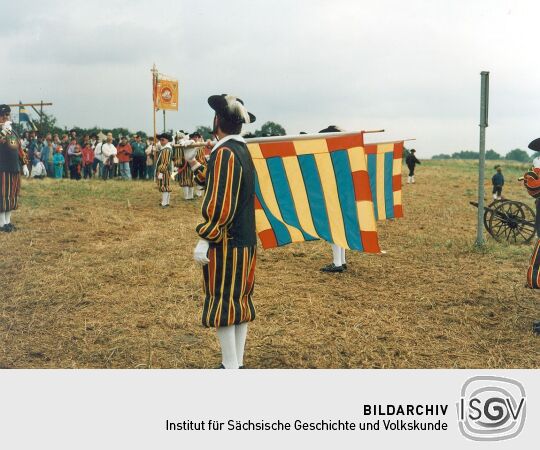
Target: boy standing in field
498	181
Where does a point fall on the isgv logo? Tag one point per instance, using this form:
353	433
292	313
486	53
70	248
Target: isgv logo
491	408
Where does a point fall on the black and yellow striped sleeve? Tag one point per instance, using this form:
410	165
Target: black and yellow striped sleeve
224	176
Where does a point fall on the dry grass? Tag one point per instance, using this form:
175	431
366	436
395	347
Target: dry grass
98	276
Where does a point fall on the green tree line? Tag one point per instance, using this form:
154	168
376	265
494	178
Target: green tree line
516	154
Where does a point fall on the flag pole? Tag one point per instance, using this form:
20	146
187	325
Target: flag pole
154	93
306	137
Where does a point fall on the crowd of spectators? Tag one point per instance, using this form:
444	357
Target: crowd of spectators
88	156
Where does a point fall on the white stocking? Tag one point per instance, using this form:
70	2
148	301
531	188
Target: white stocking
2	219
343	256
7	217
336	253
185	190
163	198
240	332
190	193
168	198
227	339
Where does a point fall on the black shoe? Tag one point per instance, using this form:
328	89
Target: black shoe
344	266
221	366
536	327
8	228
164	206
332	268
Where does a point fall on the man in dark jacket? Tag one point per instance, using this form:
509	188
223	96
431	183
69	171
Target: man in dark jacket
228	240
411	162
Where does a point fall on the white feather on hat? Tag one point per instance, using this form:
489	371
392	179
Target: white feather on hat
236	108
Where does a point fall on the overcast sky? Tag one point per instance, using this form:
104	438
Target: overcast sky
411	67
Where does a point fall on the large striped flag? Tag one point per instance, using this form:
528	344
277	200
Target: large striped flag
384	161
314	187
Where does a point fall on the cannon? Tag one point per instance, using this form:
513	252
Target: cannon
510	221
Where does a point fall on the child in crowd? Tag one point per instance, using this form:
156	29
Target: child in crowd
38	168
75	161
87	159
498	181
58	161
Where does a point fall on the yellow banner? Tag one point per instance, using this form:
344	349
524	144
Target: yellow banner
167	94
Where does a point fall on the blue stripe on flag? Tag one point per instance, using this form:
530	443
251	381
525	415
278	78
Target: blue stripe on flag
283	195
314	191
282	234
342	171
388	193
372	173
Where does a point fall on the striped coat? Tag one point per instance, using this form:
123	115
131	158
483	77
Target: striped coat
163	165
229	226
185	174
12	158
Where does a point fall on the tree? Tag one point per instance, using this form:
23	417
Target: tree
441	156
465	154
270	129
206	132
517	155
492	154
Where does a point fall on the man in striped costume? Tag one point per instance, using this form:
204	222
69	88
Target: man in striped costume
227	248
185	174
163	168
12	158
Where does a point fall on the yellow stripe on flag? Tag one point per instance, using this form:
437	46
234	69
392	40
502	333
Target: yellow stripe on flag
299	194
329	186
366	216
311	147
255	151
396	168
269	197
380	186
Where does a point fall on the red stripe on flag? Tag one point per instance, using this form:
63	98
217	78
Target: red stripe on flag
345	142
258	203
396	183
398	150
361	185
370	241
268	239
281	149
370	149
398	211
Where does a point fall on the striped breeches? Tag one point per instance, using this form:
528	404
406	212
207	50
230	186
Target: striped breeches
164	185
185	177
229	279
10	185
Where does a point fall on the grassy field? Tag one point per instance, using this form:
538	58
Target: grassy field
98	276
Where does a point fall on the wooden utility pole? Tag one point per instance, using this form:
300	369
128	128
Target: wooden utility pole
484	101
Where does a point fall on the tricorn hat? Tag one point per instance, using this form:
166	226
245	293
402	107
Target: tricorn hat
231	108
5	109
195	134
165	136
534	145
